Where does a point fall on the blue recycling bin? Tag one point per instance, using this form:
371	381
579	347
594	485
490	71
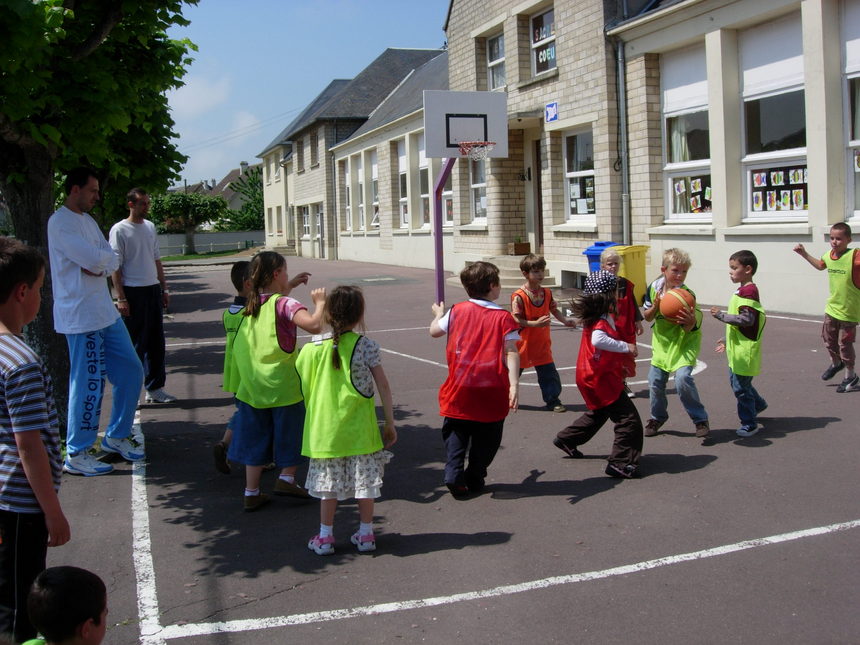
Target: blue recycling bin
593	253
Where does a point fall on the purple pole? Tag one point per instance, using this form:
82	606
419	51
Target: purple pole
447	165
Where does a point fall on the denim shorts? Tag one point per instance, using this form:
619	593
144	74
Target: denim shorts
264	435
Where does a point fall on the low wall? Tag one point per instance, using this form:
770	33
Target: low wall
208	241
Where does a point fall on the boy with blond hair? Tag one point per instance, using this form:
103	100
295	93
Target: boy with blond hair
531	306
483	377
675	347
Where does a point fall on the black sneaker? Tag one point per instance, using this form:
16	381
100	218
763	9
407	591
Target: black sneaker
570	452
621	472
830	372
848	384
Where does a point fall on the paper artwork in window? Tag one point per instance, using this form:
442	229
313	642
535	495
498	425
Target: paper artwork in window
777	178
696	203
708	193
771	200
797	200
759	179
680	187
784	200
857	161
757	201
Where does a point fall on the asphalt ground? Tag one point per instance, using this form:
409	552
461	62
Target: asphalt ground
738	540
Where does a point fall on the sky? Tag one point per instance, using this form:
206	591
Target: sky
260	62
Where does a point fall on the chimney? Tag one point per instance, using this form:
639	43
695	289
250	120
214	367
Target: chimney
213	184
243	167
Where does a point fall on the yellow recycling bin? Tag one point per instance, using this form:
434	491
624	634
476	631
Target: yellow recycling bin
633	268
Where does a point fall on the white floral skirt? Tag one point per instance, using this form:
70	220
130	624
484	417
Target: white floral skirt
358	476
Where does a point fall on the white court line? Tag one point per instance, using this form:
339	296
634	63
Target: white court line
144	569
205	629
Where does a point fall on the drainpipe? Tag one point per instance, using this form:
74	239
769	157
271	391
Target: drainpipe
621	73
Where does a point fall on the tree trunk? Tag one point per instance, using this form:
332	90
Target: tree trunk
31	202
189	240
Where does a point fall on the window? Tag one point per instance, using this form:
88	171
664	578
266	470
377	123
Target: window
496	62
686	134
320	221
854	143
543	42
774	121
300	155
269	170
304	213
279	219
359	172
478	189
579	176
315	148
374	189
448	202
423	182
347	195
402	168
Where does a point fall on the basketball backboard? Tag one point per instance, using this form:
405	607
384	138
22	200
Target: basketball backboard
452	117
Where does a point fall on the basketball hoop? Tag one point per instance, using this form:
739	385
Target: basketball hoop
476	150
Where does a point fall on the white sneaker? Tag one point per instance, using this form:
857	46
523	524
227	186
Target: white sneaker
137	434
127	448
159	396
85	464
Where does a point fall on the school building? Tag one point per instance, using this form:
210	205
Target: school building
710	125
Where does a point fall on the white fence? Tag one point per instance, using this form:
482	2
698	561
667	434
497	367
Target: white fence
209	241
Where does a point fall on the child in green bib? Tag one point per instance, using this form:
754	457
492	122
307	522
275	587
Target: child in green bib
745	321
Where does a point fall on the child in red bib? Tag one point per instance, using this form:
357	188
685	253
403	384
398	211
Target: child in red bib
600	379
483	377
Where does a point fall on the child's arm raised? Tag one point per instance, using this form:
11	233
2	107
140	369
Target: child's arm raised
438	311
312	323
37	468
389	434
815	262
513	361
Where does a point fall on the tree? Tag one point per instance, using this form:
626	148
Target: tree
250	216
83	83
183	212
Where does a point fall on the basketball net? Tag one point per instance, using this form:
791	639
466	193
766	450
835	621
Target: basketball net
476	150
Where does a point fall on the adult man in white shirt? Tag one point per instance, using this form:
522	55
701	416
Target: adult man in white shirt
99	345
141	291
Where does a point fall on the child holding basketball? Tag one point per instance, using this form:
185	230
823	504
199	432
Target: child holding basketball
531	306
600	379
483	377
341	434
842	312
745	321
628	318
675	346
271	412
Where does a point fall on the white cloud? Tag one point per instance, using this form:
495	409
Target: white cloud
198	96
244	127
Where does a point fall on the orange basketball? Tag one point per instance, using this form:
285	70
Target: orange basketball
676	300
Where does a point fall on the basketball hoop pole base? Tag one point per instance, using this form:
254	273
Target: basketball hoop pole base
447	165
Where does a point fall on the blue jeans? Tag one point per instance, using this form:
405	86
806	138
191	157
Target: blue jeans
93	356
549	382
686	387
750	402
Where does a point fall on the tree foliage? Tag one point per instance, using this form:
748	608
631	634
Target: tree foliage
250	216
183	212
83	82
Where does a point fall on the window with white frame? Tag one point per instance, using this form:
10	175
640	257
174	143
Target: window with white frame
478	190
543	42
423	182
851	47
279	219
304	213
320	221
359	176
686	135
300	155
269	161
374	189
403	183
347	194
496	62
448	202
774	121
270	225
579	176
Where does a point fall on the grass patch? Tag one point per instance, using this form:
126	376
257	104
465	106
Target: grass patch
199	256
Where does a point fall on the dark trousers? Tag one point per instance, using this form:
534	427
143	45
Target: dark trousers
146	329
627	446
480	440
23	547
549	382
